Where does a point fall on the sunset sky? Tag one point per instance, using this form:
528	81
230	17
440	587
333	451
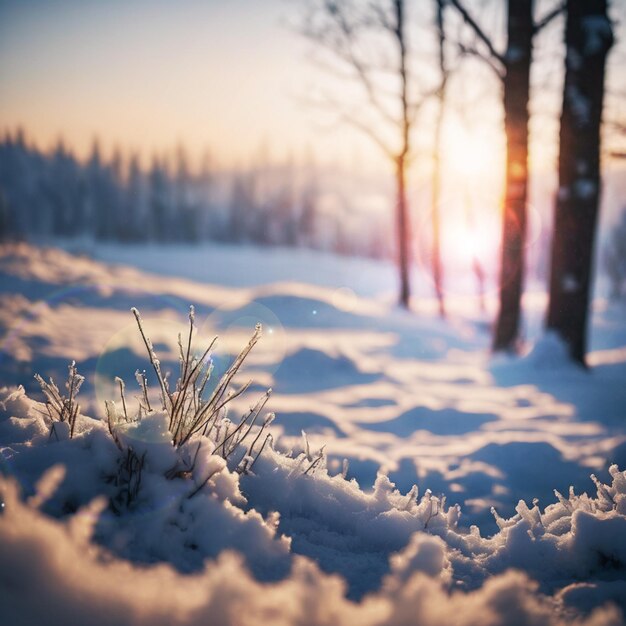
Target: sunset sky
228	75
231	75
148	74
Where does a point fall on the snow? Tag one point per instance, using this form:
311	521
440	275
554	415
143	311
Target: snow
435	432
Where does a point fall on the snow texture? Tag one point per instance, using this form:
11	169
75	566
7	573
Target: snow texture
423	416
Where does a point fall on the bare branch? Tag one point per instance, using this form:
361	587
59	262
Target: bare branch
546	19
475	52
402	49
413	108
364	76
478	31
342	115
342	45
380	15
367	130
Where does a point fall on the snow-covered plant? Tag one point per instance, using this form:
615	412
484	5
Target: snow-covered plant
62	410
188	411
309	463
128	479
188	419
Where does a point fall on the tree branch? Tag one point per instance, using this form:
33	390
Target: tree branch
381	17
367	130
415	107
402	70
478	31
546	19
475	52
349	117
343	47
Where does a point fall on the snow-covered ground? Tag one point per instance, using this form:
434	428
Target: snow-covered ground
402	396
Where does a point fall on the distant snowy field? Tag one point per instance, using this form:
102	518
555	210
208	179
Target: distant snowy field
402	395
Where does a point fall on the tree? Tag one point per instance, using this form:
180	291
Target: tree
243	206
186	213
135	203
159	200
513	68
307	219
102	195
588	39
436	187
61	192
358	34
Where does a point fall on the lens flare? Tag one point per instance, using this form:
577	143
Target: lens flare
234	327
125	353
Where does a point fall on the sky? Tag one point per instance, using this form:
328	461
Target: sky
149	74
230	76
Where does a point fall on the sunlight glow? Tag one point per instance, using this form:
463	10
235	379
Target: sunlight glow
470	155
472	242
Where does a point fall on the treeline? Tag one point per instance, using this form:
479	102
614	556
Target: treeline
55	194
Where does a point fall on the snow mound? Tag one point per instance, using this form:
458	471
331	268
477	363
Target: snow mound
398	548
549	352
76	582
308	370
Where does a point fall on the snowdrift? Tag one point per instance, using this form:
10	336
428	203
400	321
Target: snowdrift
285	542
133	517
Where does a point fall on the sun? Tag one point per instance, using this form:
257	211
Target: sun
469	242
469	155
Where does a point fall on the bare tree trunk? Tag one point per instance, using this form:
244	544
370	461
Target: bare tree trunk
588	39
479	273
516	94
345	29
403	229
477	267
403	217
437	267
